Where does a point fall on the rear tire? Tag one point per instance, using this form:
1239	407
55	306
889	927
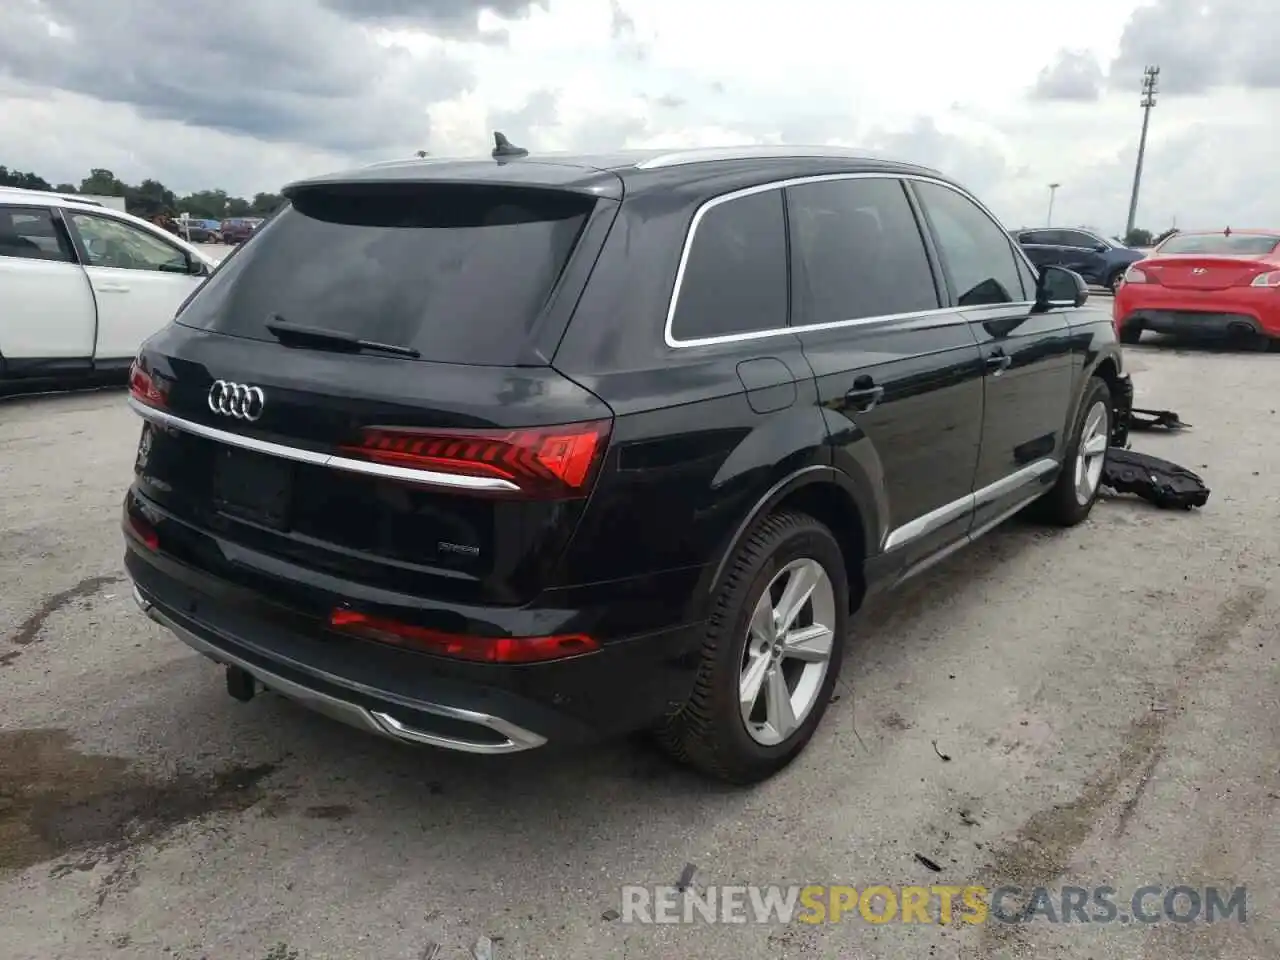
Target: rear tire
714	732
1130	334
1072	497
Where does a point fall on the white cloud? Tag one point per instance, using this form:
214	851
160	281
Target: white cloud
946	85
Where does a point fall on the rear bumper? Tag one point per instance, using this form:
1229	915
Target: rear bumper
1207	313
415	697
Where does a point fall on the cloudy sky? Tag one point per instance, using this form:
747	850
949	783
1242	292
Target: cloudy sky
1007	95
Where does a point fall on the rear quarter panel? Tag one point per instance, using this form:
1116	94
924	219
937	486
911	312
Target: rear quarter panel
689	458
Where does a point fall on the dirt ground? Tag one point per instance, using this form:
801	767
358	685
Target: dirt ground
1107	698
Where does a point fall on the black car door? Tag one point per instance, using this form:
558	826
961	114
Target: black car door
1027	354
899	375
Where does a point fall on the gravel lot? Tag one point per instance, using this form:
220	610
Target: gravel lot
1107	696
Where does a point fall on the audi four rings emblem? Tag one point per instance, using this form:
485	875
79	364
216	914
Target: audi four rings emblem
236	400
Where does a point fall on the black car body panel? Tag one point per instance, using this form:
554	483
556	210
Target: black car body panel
907	432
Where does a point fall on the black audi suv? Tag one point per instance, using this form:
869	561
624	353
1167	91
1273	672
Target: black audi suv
496	453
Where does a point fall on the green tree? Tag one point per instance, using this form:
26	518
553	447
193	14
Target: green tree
149	198
103	183
66	188
265	204
1137	237
20	178
1162	237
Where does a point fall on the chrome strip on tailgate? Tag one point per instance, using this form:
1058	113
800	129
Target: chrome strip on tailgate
429	477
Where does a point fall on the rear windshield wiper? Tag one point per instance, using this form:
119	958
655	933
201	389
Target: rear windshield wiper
287	333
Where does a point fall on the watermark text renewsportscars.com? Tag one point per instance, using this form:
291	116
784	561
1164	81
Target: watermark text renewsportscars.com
881	904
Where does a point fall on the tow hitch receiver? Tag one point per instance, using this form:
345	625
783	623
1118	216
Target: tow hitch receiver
240	684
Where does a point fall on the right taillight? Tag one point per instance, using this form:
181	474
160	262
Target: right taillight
1269	279
557	462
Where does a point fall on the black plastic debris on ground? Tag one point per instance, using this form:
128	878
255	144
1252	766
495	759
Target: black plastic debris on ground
1158	481
1156	420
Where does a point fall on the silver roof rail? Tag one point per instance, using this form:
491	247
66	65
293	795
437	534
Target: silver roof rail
677	158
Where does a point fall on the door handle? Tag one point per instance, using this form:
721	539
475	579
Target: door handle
864	394
111	288
998	362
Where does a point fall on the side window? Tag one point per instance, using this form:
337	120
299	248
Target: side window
976	252
1042	238
1073	238
857	251
29	233
112	243
735	279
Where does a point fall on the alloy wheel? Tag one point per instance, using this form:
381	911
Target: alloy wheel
1094	439
788	651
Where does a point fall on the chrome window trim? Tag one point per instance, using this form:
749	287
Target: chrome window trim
427	477
675	343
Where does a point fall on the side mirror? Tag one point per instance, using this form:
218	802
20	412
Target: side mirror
1059	287
1100	248
197	268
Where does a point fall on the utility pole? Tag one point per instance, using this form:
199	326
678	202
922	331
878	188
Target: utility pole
1053	188
1150	85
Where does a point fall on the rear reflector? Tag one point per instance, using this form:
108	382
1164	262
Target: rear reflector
461	646
544	462
145	389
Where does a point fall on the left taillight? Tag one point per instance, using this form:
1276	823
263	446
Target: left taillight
145	388
557	462
144	532
460	646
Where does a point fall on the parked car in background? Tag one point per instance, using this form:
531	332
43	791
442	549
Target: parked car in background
1221	283
239	229
82	285
203	231
1100	260
552	450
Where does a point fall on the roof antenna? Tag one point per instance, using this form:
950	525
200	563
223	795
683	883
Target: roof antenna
504	148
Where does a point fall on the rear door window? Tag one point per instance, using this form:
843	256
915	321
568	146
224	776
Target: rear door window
29	233
857	251
735	275
459	273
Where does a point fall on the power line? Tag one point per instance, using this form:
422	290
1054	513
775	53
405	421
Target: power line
1150	86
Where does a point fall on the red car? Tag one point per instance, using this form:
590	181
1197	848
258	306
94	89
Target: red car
1225	283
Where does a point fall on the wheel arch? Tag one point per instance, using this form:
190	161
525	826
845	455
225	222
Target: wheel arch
827	494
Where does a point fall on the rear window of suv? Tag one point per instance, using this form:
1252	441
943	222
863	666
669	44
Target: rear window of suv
458	272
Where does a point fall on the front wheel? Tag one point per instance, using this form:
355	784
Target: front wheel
1072	497
771	654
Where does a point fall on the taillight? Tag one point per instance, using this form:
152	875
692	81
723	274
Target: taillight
543	462
145	389
1136	275
461	646
1269	279
144	532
